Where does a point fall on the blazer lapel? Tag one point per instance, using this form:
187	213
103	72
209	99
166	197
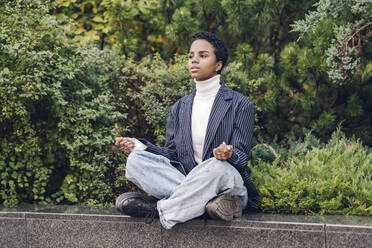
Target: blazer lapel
185	125
220	106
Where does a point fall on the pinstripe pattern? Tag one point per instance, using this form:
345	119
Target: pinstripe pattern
231	120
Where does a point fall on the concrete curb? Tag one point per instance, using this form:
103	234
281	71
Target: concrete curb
72	226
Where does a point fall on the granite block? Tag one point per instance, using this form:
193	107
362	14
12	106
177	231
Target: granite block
12	215
12	231
320	219
69	230
244	233
73	209
22	208
342	236
77	226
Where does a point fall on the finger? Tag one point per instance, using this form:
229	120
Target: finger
128	148
118	143
128	140
117	140
224	145
217	153
221	154
222	157
122	143
228	149
224	149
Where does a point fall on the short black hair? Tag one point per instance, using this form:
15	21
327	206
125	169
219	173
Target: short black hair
220	49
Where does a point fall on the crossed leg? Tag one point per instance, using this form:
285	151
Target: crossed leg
183	197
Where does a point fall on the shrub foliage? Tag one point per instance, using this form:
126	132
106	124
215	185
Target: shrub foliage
317	82
62	103
57	116
332	178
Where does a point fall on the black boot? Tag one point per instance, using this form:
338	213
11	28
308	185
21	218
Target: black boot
137	205
225	207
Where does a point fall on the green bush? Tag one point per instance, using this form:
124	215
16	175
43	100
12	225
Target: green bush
57	112
315	178
62	104
316	82
163	84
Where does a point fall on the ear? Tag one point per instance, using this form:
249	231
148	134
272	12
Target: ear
218	65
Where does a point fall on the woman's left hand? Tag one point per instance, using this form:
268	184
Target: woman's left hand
223	151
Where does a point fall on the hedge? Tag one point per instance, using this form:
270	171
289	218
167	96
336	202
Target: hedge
62	104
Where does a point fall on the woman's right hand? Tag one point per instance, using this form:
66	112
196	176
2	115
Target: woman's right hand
126	144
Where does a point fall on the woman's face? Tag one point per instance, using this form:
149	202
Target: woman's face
202	60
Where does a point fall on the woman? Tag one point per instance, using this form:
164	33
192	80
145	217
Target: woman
203	165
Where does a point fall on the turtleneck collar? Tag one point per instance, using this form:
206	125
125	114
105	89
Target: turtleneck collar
208	87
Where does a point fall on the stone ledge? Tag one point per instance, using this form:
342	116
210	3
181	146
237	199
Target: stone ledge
72	226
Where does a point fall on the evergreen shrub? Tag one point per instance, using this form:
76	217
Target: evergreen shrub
316	82
62	105
307	177
57	112
316	178
162	86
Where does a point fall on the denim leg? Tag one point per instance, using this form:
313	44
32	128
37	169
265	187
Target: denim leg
153	173
206	181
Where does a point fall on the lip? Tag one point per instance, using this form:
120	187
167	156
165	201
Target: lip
194	68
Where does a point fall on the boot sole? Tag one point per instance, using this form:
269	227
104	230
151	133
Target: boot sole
225	207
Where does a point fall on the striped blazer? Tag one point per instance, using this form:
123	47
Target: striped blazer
231	120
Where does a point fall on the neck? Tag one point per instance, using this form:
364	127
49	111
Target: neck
208	87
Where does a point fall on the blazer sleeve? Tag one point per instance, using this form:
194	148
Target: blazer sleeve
242	135
169	150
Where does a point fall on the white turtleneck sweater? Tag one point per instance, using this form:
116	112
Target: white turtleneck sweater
206	92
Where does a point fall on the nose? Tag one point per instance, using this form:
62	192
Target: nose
194	60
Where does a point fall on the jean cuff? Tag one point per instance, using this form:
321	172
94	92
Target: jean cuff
162	219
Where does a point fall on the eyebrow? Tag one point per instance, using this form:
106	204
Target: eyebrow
202	51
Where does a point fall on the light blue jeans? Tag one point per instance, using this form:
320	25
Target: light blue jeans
183	197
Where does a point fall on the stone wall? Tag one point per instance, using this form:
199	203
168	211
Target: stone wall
71	226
